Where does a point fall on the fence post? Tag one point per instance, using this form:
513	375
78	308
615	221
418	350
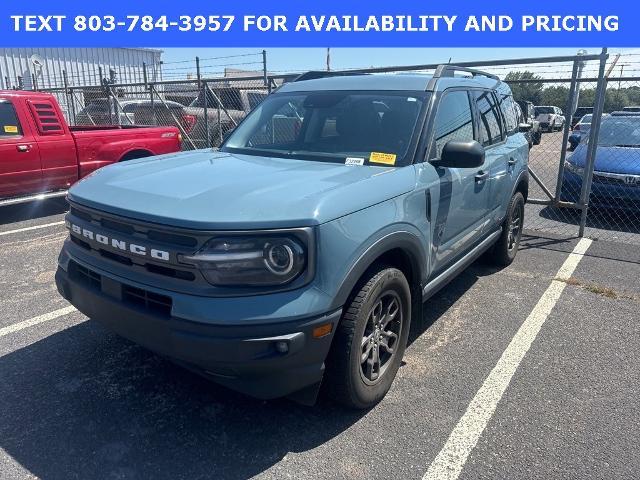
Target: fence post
34	85
567	124
66	94
264	68
198	71
153	105
601	91
144	74
205	97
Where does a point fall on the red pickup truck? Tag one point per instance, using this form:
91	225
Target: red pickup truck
40	152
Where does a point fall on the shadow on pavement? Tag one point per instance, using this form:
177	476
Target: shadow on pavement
84	403
32	210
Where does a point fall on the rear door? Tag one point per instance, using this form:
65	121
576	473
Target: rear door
463	199
20	171
508	158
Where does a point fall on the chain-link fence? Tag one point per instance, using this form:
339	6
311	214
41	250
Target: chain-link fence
584	143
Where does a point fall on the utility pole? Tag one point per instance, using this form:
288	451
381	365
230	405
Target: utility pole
328	59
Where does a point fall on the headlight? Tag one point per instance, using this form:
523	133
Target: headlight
573	168
250	260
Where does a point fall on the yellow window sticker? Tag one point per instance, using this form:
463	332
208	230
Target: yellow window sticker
386	158
10	129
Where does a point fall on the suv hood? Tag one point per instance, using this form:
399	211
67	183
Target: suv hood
216	190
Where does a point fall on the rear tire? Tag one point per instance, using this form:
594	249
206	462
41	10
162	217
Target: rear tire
370	340
505	249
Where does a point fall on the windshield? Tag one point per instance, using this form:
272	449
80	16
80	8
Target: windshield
364	127
619	132
544	110
586	119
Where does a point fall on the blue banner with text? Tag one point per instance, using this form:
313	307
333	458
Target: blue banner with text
402	23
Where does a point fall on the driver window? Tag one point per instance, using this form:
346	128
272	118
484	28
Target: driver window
9	123
453	121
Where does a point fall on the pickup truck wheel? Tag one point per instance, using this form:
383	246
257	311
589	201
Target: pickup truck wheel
504	250
370	340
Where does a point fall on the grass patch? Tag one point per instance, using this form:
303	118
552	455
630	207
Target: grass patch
593	288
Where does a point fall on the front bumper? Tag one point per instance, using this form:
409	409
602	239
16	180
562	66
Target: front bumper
603	195
245	358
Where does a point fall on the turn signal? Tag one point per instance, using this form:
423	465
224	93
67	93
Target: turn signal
322	330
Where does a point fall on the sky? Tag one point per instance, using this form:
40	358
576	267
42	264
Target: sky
178	61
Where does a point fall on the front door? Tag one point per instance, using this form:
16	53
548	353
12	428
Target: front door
459	213
20	171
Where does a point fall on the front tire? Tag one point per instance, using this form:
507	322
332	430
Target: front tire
505	249
370	340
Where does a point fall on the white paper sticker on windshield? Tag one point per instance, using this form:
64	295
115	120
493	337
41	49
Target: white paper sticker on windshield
412	99
354	161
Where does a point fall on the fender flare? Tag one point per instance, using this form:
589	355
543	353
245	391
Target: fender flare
409	242
523	176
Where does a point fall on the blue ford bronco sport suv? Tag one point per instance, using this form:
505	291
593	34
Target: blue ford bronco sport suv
299	252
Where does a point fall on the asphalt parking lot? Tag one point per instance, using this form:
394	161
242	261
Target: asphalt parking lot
526	372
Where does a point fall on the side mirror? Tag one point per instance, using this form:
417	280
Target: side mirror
524	127
457	154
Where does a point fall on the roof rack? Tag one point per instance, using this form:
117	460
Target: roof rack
448	70
313	74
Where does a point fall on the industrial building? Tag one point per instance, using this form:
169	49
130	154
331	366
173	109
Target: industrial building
44	67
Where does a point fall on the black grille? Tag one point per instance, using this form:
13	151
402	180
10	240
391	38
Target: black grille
135	297
128	229
84	275
152	302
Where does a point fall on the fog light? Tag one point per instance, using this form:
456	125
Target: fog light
282	346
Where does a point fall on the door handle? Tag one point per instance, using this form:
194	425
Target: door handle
511	162
481	176
23	148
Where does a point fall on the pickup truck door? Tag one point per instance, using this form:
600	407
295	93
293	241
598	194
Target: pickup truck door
20	171
459	204
57	146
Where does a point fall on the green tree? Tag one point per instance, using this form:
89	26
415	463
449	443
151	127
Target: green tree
555	95
525	86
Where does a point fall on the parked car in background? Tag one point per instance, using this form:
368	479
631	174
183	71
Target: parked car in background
529	117
632	108
226	107
103	111
579	130
616	176
551	118
298	258
40	152
579	113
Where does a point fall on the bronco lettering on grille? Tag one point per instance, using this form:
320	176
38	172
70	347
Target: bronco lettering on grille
118	244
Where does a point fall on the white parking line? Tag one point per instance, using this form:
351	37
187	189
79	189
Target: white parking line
449	462
26	229
16	327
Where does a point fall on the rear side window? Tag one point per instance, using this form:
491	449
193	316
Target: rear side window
510	114
453	120
46	117
9	123
490	124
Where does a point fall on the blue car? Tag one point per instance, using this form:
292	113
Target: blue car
580	130
616	176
